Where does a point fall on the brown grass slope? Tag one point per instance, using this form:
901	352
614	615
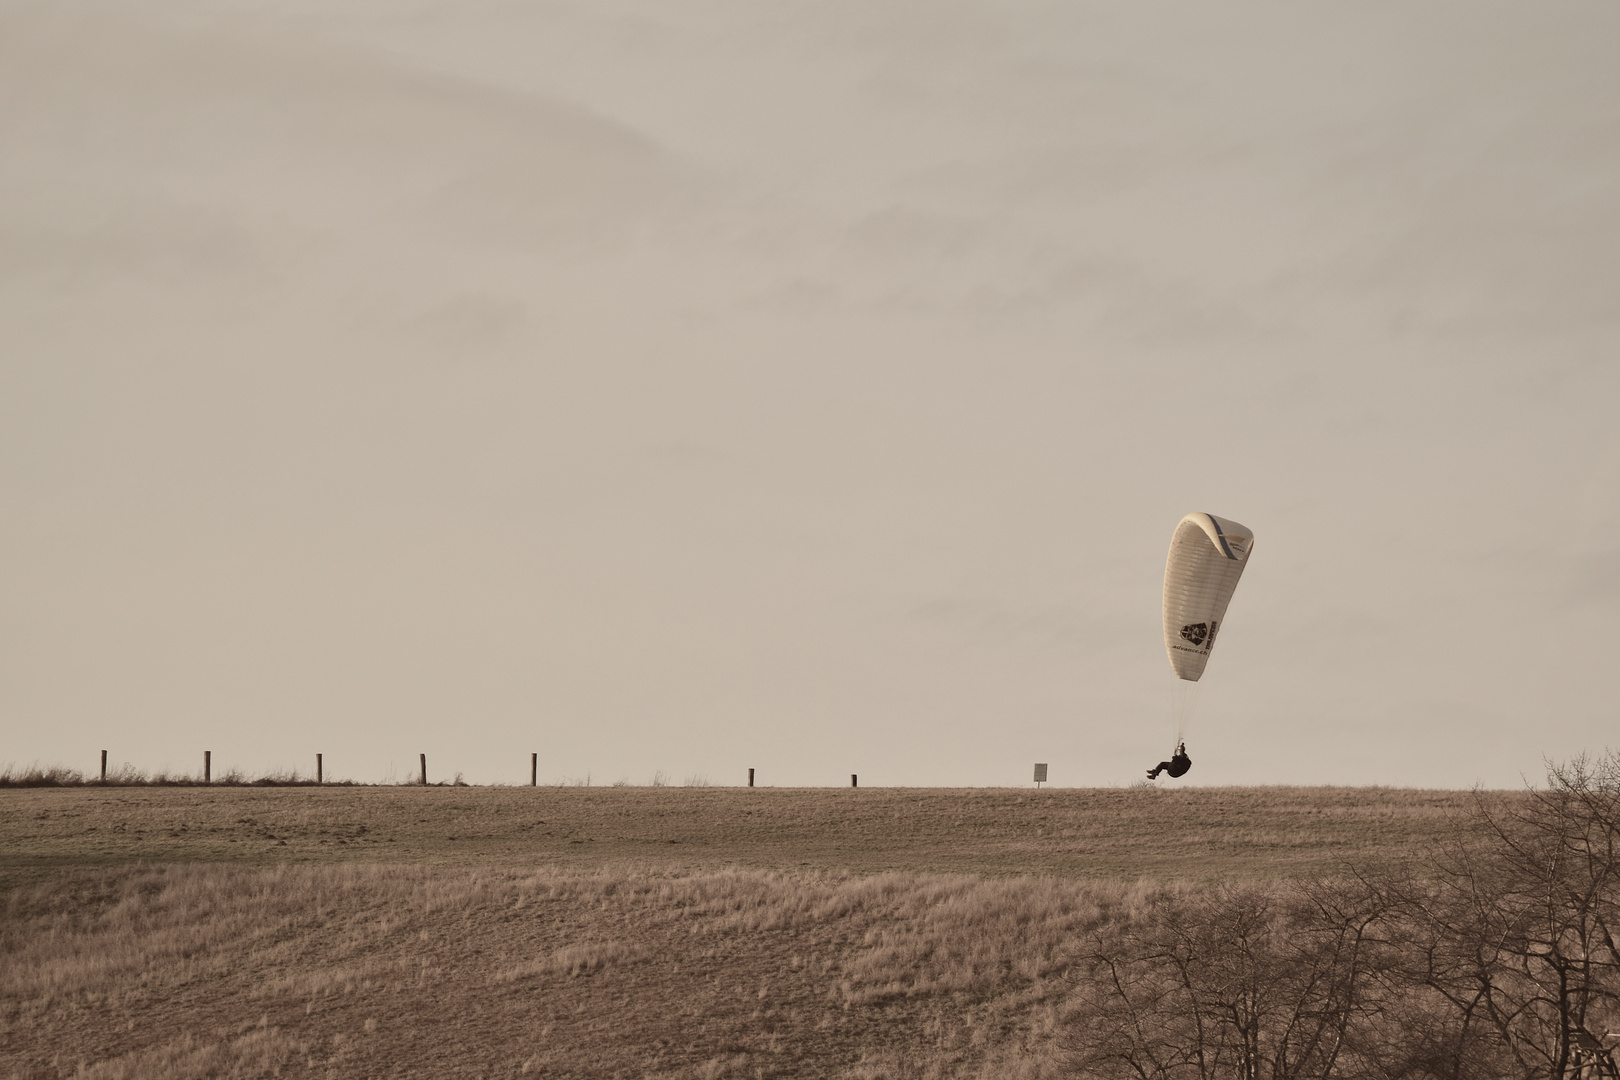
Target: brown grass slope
254	932
1192	833
431	971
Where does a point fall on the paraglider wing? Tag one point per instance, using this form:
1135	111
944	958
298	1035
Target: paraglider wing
1207	556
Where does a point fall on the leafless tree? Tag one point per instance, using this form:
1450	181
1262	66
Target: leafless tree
1235	982
1515	935
1495	958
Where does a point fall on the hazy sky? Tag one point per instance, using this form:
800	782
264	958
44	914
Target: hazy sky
807	386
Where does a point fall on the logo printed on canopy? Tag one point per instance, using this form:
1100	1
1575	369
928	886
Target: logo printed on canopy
1201	634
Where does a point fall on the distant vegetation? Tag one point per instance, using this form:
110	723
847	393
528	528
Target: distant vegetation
129	776
708	933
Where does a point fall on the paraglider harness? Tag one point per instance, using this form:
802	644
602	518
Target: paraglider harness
1178	764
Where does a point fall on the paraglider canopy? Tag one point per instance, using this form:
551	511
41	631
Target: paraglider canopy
1207	556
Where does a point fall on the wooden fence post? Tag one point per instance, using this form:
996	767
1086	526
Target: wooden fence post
750	777
104	766
208	766
534	770
852	780
317	768
424	770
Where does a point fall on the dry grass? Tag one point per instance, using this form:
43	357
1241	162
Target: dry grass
1193	833
674	931
376	970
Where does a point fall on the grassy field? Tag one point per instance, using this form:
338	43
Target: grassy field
604	932
1119	834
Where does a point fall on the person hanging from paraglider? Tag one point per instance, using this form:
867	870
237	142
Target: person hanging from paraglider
1207	557
1178	764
